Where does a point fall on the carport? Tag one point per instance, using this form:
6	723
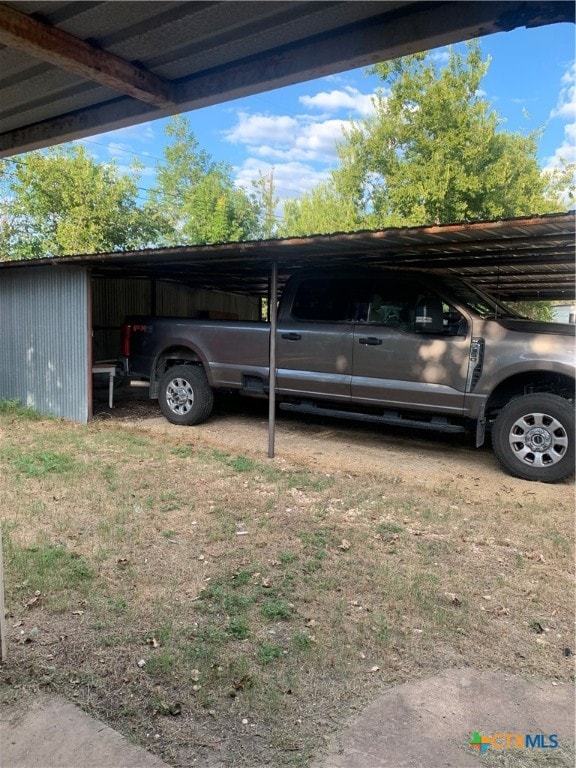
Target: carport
75	69
48	306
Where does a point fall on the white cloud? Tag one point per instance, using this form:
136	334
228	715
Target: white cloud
566	105
257	129
566	151
300	147
349	99
281	137
440	56
117	149
291	179
565	110
318	140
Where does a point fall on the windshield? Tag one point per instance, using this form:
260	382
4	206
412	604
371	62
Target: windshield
481	303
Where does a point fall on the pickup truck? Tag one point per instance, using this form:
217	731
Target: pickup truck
393	347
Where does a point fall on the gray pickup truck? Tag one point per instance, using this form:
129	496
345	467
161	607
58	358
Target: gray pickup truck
394	347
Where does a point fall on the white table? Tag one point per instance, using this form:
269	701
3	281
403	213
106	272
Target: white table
110	369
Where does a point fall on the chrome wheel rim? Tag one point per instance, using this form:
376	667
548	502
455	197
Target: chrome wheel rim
538	439
179	396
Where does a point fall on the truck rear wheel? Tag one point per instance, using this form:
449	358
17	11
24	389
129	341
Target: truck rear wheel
533	437
185	395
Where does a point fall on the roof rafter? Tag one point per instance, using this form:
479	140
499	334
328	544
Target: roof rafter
48	43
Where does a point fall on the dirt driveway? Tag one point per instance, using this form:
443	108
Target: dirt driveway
402	455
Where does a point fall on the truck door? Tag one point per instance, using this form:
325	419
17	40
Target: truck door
315	338
412	351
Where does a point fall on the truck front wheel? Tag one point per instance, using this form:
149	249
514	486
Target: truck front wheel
533	437
185	396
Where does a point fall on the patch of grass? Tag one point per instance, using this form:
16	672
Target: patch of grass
389	531
274	609
238	629
563	756
302	642
41	462
559	541
183	451
161	663
242	464
266	653
15	410
287	557
50	569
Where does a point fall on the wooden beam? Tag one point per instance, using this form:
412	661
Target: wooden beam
42	41
406	30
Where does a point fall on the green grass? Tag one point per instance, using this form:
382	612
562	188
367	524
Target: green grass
281	625
563	756
15	410
51	569
41	462
268	653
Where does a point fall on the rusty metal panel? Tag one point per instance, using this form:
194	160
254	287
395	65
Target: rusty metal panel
43	340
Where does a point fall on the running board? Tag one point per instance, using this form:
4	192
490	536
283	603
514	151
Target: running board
436	423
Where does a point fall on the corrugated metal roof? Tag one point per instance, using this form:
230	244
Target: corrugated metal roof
72	69
522	258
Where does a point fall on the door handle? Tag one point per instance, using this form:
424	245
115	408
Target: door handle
370	341
291	336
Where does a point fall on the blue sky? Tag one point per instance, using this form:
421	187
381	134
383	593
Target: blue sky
531	84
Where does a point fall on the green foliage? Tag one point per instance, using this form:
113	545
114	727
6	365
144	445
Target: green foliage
323	211
267	201
433	152
37	463
60	201
16	410
48	568
238	629
535	310
268	652
195	197
275	609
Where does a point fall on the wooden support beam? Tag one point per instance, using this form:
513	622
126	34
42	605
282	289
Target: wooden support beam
47	43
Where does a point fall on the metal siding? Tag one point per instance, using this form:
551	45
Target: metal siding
180	300
43	340
112	300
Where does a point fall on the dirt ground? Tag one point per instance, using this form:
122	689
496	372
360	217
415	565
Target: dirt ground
295	590
430	459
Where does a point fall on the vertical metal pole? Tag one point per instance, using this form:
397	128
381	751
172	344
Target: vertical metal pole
272	306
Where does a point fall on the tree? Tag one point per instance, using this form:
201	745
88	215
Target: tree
321	210
267	201
196	198
60	201
434	152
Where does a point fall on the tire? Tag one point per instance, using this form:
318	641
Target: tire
533	437
185	396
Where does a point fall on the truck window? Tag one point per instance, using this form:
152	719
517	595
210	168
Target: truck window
328	301
413	307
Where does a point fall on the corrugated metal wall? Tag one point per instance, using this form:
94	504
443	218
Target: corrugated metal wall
114	298
43	339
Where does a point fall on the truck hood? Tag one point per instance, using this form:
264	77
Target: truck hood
536	326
